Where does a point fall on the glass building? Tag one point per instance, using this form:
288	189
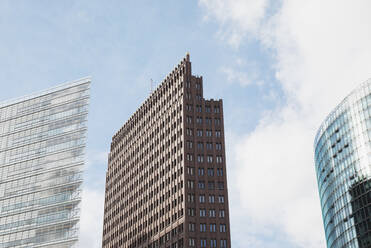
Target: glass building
42	144
343	164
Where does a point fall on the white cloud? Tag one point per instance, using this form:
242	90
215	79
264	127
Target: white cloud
237	17
236	76
92	207
242	73
91	222
322	52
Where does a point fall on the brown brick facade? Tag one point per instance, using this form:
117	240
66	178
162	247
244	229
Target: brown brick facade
166	182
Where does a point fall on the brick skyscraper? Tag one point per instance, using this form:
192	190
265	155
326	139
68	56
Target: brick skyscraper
166	183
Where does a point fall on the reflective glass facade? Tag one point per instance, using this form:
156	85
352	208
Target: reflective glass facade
343	164
42	143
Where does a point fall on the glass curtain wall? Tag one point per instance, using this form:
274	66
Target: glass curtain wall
343	163
42	144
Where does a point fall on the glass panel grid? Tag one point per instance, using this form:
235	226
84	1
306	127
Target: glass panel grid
42	143
342	159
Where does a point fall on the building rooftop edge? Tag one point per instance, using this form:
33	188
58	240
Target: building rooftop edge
186	58
322	128
67	84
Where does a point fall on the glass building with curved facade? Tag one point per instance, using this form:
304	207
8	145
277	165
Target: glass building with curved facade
343	168
42	144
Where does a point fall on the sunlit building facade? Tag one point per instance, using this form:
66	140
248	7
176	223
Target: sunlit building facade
343	167
42	144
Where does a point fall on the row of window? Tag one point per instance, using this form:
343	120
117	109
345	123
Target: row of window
189	107
201	133
201	171
200	145
211	199
212	242
202	212
209	158
222	228
188	96
211	185
199	120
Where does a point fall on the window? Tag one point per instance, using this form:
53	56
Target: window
223	243
199	133
220	185
212	227
191	242
217	121
201	184
209	146
211	185
207	109
190	170
189	119
222	228
216	109
191	197
211	198
199	120
202	227
210	172
202	198
221	199
208	133
189	107
219	159
218	146
191	184
200	146
208	121
198	86
209	158
203	242
219	172
191	211
212	213
189	131
201	171
199	108
190	157
213	243
203	213
191	227
217	134
200	158
188	96
190	144
221	213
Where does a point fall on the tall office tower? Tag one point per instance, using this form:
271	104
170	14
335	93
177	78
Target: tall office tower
343	167
166	183
42	143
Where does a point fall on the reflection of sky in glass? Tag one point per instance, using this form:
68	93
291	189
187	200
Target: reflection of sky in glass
342	150
42	142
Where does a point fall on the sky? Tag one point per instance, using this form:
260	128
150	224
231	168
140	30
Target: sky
280	67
